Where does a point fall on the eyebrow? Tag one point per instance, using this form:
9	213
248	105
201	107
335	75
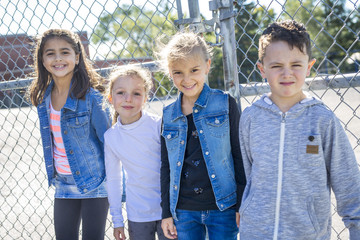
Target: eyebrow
280	63
123	89
51	49
177	70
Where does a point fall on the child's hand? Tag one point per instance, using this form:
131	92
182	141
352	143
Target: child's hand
119	233
238	219
169	228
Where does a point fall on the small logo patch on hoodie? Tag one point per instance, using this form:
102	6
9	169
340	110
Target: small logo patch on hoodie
312	149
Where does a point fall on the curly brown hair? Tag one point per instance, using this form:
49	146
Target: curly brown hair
290	31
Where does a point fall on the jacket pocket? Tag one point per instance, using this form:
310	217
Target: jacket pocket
247	200
171	137
218	126
310	152
79	125
312	214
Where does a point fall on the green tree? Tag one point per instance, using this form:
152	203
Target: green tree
333	29
130	32
250	22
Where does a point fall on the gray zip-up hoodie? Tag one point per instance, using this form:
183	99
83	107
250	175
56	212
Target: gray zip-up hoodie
292	161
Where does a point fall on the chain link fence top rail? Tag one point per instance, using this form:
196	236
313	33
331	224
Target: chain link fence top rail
123	32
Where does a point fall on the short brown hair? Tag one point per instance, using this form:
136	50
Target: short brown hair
290	31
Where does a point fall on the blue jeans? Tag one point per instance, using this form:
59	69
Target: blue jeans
219	225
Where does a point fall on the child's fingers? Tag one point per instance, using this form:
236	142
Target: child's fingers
175	231
169	228
119	233
238	219
118	237
168	232
122	235
172	233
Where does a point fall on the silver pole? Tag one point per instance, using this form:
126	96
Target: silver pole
179	9
194	10
227	26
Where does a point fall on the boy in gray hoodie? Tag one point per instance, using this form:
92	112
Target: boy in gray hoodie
294	150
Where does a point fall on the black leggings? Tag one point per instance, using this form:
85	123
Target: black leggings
68	213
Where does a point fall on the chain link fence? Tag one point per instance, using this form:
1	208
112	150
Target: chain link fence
123	32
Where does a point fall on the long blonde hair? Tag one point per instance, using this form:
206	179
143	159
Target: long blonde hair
128	71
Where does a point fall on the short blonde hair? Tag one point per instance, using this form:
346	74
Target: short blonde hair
180	46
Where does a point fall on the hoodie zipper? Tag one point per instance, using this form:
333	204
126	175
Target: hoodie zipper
280	175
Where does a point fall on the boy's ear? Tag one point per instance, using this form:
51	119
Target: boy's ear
261	69
110	99
310	65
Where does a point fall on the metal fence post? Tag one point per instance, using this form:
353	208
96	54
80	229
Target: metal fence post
227	26
227	29
194	9
194	20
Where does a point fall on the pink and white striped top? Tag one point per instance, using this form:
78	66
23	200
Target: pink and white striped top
60	159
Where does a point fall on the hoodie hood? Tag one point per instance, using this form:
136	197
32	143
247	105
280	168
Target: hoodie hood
267	104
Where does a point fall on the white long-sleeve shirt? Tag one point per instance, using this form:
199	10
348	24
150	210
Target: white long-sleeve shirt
136	148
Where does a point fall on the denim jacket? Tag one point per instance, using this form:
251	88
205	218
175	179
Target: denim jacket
83	124
211	118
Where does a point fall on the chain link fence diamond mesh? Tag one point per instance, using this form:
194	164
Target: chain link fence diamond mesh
123	32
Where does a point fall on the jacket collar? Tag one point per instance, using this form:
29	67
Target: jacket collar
48	90
266	103
204	96
201	102
71	103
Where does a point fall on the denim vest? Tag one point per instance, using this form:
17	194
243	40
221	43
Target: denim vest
211	118
83	124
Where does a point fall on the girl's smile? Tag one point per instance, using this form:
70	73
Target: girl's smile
128	97
287	83
189	75
59	58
